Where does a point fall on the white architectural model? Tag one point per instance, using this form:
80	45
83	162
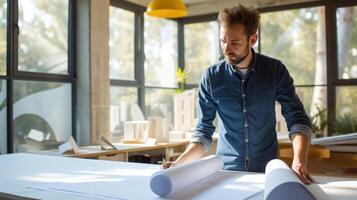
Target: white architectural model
159	128
184	110
137	130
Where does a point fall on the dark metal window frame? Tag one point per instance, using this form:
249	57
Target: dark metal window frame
13	74
333	80
181	38
139	79
139	56
333	8
332	59
178	59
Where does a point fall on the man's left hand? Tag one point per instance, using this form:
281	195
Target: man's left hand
300	169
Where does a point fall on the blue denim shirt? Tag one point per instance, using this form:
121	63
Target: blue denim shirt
246	108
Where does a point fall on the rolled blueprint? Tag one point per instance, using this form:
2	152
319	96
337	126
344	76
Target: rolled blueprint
171	180
281	183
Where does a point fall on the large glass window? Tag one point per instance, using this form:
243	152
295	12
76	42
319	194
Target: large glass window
159	102
43	38
42	110
297	38
347	42
201	48
3	117
121	44
124	86
346	110
121	98
41	114
161	62
3	23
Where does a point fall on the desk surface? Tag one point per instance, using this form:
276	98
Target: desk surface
53	177
94	151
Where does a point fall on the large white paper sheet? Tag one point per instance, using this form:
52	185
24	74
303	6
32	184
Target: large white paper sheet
224	185
128	183
227	185
57	178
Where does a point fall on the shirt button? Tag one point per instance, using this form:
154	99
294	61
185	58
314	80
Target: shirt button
244	110
243	80
246	125
243	95
246	140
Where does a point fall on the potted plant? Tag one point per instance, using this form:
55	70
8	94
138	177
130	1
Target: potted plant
181	79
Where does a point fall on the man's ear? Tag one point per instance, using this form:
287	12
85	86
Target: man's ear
253	39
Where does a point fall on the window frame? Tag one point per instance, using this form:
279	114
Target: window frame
333	80
153	87
333	34
139	56
181	39
13	74
139	78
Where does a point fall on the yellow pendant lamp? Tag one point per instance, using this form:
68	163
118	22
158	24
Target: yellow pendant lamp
166	8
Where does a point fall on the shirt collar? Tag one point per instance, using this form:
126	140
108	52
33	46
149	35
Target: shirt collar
252	66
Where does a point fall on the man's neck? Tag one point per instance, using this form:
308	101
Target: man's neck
246	62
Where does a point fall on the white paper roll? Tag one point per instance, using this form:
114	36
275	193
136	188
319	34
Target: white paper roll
171	180
281	183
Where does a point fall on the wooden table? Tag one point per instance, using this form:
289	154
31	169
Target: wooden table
122	151
96	152
322	160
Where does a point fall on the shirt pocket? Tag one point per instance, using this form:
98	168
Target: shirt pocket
261	108
229	106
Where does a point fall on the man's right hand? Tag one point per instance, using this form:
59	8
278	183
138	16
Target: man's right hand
167	165
194	151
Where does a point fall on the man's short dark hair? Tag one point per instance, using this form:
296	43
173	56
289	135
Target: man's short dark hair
248	17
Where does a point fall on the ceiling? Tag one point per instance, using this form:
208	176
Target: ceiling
201	7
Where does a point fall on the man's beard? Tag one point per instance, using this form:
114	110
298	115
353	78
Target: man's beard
238	59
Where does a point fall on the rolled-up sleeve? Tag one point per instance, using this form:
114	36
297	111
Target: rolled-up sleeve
206	113
291	107
301	129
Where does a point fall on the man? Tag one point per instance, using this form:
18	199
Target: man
243	89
